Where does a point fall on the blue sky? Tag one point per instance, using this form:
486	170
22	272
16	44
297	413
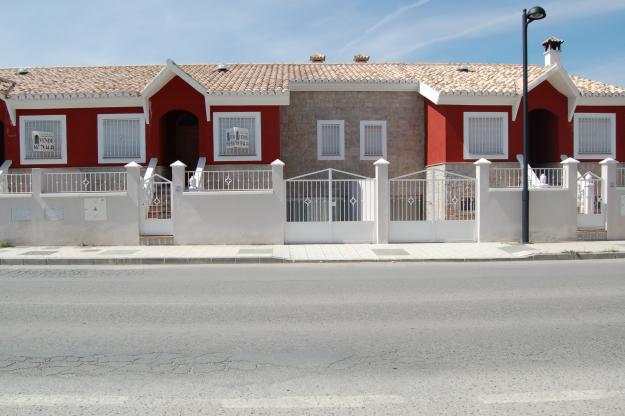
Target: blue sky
79	32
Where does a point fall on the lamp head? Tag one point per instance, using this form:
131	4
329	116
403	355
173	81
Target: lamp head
536	13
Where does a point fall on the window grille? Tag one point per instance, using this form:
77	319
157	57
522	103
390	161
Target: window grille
486	134
594	134
330	136
237	136
122	138
43	138
372	139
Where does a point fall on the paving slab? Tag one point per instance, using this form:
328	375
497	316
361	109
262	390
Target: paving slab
256	254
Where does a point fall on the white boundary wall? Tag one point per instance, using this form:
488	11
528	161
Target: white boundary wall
613	200
71	218
553	211
229	217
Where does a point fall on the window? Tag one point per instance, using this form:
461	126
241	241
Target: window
236	136
372	140
486	135
330	139
595	135
121	138
43	140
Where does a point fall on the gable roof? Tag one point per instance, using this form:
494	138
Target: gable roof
480	79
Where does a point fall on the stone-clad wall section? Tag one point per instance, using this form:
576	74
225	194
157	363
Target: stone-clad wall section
403	112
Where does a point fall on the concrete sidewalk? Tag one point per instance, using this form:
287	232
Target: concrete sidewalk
311	253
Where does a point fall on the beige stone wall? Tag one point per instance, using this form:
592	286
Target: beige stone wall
403	112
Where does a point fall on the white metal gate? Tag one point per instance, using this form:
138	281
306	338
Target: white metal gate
330	206
157	206
432	205
590	209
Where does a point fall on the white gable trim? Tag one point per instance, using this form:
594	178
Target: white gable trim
169	72
10	109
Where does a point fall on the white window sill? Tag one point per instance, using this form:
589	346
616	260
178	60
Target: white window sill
330	158
43	162
237	158
594	157
116	161
489	157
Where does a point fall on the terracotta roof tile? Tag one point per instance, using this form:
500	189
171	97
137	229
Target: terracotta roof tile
480	79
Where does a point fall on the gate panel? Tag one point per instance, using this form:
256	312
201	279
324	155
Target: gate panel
330	206
590	210
432	205
157	206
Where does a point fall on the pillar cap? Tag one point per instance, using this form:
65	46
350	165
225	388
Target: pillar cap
132	164
177	163
381	161
483	161
608	161
277	162
569	161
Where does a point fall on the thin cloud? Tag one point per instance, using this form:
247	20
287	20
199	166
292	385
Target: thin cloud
445	28
386	19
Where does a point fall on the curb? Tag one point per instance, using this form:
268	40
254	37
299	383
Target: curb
125	261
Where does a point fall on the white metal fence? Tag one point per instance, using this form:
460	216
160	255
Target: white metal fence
330	196
87	182
443	196
620	177
537	178
15	183
157	198
589	194
229	180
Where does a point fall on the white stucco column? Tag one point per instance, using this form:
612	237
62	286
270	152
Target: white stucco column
134	189
279	190
610	202
36	182
569	174
482	187
382	201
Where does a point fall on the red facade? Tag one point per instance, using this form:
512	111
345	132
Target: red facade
177	95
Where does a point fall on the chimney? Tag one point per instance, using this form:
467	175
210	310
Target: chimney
317	58
552	51
361	58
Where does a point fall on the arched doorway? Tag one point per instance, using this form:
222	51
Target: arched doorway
543	137
1	142
179	138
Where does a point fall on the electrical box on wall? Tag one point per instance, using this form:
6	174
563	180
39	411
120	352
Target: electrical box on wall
95	209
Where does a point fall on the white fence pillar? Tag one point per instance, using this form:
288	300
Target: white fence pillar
134	188
382	202
610	203
177	187
482	187
278	185
36	182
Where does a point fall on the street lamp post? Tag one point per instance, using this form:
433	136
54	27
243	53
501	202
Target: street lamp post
535	13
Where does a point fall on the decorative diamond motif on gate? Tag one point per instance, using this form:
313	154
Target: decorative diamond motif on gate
85	182
353	201
307	201
411	200
228	180
454	199
156	201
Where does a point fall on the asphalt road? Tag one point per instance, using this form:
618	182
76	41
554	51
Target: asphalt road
522	338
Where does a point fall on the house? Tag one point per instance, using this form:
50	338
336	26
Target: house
312	116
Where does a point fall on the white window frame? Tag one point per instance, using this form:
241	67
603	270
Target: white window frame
217	140
365	123
341	124
126	116
576	118
471	156
63	159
